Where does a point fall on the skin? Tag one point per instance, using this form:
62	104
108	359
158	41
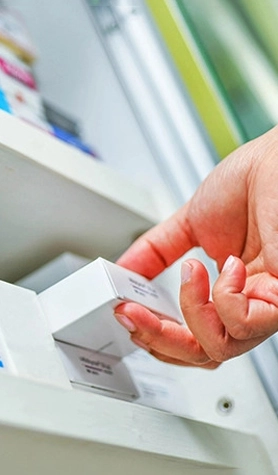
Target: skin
233	216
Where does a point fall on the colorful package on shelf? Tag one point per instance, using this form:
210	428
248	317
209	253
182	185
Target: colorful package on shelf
14	35
18	90
67	128
20	96
73	140
4	105
55	116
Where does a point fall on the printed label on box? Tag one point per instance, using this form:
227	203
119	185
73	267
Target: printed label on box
97	372
80	308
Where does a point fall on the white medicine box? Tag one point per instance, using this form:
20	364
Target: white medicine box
80	308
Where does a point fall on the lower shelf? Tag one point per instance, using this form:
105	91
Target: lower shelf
44	429
45	425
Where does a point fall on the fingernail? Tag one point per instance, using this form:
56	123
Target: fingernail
186	272
126	322
229	263
140	344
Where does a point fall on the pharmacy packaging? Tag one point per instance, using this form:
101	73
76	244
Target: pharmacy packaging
97	372
80	308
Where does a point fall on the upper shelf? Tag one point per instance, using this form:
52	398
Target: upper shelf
54	198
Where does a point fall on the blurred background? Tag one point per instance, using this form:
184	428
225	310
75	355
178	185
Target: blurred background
160	91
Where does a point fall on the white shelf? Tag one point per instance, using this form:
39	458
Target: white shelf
53	430
55	198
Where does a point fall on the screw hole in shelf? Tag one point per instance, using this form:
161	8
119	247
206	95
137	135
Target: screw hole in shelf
225	405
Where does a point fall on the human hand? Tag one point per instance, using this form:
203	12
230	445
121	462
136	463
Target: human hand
233	213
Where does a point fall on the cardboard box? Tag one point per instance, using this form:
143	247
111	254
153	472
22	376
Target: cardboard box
18	85
14	34
97	372
80	307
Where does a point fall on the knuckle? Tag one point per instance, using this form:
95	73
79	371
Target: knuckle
221	353
150	338
219	356
215	291
241	331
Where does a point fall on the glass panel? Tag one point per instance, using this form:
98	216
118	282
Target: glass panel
244	71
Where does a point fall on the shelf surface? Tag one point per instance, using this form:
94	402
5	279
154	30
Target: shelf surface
55	198
53	430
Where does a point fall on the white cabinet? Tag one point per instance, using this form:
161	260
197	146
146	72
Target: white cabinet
52	198
55	198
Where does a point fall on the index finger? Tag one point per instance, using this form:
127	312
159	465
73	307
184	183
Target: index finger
159	247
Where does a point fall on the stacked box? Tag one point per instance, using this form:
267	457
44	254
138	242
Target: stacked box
19	93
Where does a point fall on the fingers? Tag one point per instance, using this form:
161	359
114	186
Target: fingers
242	313
247	308
163	338
160	247
202	316
167	359
238	317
